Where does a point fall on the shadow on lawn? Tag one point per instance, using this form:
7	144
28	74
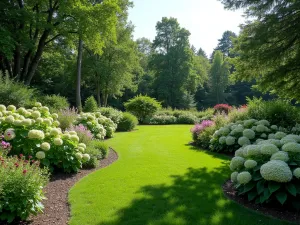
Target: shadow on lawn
193	198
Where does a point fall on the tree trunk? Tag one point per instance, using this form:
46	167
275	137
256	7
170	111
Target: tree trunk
26	65
37	57
98	92
78	76
105	100
17	61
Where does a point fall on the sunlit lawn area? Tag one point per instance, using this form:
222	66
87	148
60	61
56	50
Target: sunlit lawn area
159	180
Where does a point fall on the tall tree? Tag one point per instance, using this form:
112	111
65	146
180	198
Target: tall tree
225	44
29	26
173	63
219	73
201	52
268	46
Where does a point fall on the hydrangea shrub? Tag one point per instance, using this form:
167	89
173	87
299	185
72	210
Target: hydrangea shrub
269	171
35	133
242	133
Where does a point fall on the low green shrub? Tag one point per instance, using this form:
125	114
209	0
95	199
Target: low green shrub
142	107
98	149
55	102
92	163
67	117
269	171
127	123
278	112
14	93
187	118
21	188
114	114
90	105
162	120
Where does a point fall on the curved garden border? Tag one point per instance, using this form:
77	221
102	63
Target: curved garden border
57	210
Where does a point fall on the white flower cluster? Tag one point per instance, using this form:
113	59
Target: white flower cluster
99	125
35	127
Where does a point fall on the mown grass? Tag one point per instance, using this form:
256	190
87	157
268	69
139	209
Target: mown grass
159	180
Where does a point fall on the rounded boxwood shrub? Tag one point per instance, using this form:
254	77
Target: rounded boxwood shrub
98	149
127	123
142	107
114	114
90	105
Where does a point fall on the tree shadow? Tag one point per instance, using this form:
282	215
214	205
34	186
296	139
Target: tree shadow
193	198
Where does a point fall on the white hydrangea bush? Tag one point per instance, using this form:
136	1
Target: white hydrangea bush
35	133
242	133
99	125
268	170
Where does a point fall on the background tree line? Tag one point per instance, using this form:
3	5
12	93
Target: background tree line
87	48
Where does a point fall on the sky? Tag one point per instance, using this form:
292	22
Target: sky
205	19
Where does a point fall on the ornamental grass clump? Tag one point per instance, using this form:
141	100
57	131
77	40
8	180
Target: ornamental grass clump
36	133
269	171
21	188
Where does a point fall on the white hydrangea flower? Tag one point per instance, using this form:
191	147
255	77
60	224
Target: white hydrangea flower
259	140
234	177
225	131
86	157
48	122
248	133
279	135
261	128
250	164
253	150
55	132
36	134
239	152
36	114
2	108
293	136
281	155
55	116
45	146
9	134
38	104
271	136
72	132
263	136
236	163
291	147
276	170
222	140
274	127
81	149
244	177
271	141
268	149
78	155
287	140
58	141
82	145
11	108
18	123
296	173
243	141
249	123
74	138
230	140
39	120
44	109
40	155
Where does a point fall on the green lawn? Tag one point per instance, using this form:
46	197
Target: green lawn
159	180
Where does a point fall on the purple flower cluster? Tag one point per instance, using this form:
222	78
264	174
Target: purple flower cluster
4	145
200	127
83	132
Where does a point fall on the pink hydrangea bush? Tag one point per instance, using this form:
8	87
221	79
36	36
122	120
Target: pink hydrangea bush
198	128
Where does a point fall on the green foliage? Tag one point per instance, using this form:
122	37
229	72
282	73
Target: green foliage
90	105
277	112
84	134
54	102
14	93
163	120
267	47
142	107
187	118
34	132
21	188
114	114
98	149
92	163
177	69
218	77
128	122
203	139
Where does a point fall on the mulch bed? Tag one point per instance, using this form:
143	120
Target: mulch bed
268	210
57	211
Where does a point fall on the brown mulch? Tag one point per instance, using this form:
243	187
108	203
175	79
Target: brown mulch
57	211
269	210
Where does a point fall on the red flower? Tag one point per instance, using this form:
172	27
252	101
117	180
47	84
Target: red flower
21	155
17	165
30	157
24	171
